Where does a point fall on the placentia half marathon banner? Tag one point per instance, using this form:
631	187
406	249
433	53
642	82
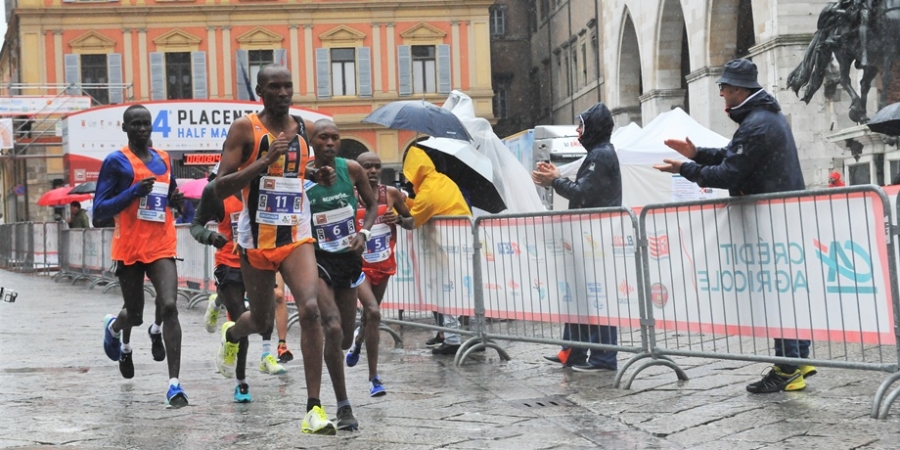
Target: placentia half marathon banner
183	125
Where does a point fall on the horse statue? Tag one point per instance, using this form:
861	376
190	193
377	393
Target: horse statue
838	34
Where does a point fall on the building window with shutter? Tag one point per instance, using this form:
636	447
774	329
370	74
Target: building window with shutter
498	20
257	59
343	72
94	74
178	76
424	73
500	102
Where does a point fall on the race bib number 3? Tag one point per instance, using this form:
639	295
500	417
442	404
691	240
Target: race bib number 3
280	201
378	247
152	206
335	228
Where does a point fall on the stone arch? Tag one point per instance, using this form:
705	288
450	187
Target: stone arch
672	56
731	32
351	148
630	76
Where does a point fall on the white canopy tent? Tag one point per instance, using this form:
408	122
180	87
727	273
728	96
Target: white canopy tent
639	149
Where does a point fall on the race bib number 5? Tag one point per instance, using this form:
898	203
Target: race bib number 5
280	201
378	246
152	206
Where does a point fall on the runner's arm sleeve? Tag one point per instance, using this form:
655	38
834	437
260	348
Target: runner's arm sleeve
210	208
115	190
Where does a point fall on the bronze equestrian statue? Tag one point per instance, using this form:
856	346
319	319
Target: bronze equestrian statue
864	32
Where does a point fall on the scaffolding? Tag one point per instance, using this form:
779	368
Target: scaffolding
34	132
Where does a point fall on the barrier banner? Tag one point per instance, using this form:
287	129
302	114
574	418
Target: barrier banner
76	249
93	249
573	268
807	267
192	270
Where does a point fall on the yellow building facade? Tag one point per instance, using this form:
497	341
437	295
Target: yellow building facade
347	58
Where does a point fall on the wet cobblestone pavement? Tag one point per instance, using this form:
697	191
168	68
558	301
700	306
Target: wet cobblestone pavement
58	389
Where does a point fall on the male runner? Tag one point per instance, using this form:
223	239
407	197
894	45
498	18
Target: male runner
135	187
339	251
265	158
378	265
229	282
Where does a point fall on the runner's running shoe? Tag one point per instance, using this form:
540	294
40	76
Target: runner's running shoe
316	422
242	393
175	397
156	345
376	389
111	344
211	318
126	365
268	364
226	357
346	421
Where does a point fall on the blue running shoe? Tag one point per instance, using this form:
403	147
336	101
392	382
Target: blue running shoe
175	397
112	344
242	393
376	389
352	357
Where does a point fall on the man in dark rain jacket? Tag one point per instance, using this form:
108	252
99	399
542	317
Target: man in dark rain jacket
597	184
761	158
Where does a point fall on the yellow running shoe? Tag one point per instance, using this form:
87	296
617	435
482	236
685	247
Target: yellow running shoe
226	357
316	422
808	371
268	364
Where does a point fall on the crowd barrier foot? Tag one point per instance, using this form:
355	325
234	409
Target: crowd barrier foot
98	282
79	278
398	341
657	361
624	367
110	286
293	318
61	275
881	405
196	299
475	344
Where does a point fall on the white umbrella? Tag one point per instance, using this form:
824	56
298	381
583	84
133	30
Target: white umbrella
462	151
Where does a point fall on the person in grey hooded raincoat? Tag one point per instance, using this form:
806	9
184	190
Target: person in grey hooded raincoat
597	184
761	158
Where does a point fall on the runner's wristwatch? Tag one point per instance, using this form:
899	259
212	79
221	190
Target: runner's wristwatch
366	234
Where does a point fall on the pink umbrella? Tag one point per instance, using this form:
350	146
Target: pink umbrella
194	188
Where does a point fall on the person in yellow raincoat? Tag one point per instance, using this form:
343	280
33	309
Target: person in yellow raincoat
435	195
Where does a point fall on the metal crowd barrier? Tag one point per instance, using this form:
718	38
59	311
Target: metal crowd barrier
544	274
734	278
195	266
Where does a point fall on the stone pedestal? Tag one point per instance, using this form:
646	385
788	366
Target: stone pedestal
865	152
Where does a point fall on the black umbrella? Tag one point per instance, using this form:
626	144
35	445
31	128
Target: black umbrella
421	116
887	120
468	168
85	188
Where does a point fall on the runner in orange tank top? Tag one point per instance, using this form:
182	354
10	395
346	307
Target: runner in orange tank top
135	187
379	264
269	149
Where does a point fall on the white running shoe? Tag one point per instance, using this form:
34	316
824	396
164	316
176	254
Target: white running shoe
268	364
211	318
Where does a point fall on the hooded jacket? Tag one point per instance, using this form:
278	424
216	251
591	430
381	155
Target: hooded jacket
761	157
436	194
598	182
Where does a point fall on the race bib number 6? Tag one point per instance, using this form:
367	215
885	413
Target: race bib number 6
335	228
152	206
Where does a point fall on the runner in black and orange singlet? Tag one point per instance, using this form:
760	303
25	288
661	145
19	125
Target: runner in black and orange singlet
135	187
265	158
229	281
379	264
